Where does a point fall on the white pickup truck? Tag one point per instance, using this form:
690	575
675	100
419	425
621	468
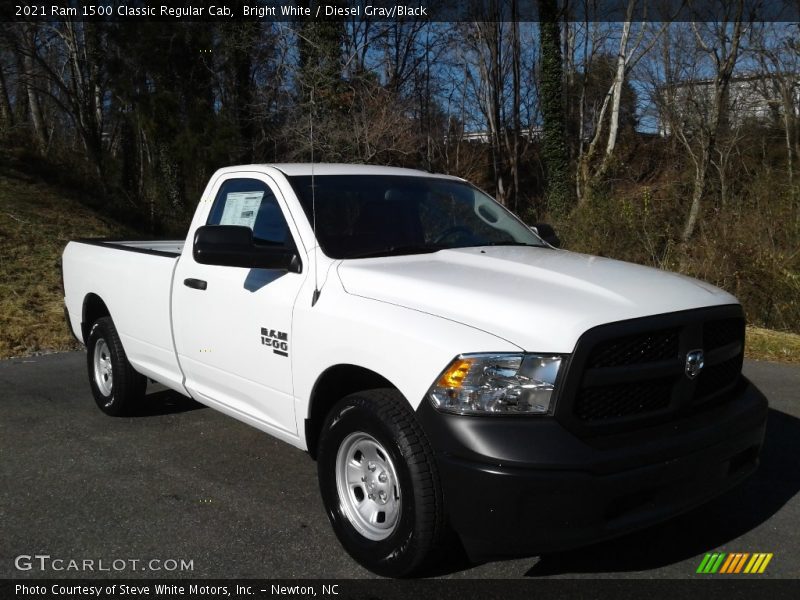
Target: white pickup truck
447	368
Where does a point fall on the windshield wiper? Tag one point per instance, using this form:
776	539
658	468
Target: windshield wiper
400	250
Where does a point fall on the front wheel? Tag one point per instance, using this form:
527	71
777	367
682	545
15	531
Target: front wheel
379	483
116	386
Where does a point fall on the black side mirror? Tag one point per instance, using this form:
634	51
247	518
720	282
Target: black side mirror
547	233
233	246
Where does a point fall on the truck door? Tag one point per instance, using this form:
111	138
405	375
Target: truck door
233	325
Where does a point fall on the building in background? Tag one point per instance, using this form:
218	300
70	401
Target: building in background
761	98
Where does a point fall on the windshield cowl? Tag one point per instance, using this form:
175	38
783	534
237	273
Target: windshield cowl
430	249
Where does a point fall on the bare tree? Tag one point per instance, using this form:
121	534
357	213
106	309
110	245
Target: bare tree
6	113
493	68
381	128
727	145
401	55
62	60
459	154
24	41
695	106
488	39
630	52
778	55
513	134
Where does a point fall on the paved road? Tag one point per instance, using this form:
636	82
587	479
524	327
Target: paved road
183	482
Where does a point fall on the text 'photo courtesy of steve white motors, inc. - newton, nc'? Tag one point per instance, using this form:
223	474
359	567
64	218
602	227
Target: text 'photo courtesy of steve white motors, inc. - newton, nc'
274	10
175	590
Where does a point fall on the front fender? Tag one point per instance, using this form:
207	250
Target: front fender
407	347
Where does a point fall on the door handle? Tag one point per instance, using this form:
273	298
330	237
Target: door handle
197	284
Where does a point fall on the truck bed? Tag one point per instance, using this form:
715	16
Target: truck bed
134	280
171	248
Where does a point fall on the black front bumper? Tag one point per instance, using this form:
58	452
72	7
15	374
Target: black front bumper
515	485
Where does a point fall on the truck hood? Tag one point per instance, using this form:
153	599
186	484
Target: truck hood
539	299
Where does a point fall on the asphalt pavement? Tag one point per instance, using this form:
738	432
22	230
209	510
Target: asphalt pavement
183	491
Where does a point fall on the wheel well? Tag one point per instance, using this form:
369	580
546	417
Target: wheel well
93	309
333	385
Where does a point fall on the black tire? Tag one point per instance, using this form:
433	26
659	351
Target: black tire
117	392
384	416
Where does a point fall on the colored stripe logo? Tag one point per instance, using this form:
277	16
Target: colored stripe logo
734	562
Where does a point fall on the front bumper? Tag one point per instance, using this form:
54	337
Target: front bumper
516	485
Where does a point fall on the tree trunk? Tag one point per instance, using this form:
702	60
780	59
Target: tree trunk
242	59
490	67
789	125
554	147
514	155
590	179
584	174
725	65
617	86
788	114
722	171
6	114
698	191
34	107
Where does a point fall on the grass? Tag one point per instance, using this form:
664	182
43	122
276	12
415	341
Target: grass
38	219
36	222
779	346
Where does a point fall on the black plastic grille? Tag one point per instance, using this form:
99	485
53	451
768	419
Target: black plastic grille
632	373
622	400
722	332
636	349
717	377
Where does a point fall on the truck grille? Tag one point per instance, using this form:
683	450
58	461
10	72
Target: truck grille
717	377
722	332
622	400
636	349
628	374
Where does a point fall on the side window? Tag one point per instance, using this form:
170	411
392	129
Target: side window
251	203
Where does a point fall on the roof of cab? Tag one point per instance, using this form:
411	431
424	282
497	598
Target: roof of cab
304	169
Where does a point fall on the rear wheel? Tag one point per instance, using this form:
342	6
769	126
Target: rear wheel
116	386
379	483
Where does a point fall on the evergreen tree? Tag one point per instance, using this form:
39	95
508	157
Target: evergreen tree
554	147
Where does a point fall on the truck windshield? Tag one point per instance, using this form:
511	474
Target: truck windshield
361	216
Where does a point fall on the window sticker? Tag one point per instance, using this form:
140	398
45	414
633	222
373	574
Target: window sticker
241	208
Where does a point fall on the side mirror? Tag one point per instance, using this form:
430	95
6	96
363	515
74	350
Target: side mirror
233	246
547	233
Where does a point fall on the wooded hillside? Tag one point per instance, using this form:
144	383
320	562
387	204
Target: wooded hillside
673	144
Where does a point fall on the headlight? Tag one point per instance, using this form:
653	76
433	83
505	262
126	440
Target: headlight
497	384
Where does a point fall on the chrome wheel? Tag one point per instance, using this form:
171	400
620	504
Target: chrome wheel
368	488
103	374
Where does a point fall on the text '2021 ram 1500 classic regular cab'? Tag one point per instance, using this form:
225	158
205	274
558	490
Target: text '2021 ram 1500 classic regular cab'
447	368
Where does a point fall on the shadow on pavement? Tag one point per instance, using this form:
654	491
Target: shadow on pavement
165	402
776	481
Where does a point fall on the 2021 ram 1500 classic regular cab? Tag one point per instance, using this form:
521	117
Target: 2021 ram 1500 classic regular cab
447	368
